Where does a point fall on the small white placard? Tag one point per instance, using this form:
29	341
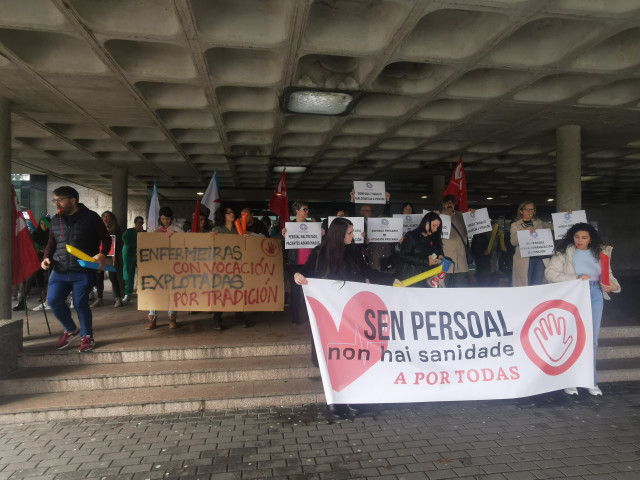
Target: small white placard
387	230
536	244
302	235
563	221
477	222
409	222
369	192
358	227
446	225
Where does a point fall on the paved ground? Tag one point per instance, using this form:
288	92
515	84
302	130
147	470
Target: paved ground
547	436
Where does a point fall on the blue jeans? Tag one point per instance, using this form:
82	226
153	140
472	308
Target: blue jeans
535	272
80	284
597	305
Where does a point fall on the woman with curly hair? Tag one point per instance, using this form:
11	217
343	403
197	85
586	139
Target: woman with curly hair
578	257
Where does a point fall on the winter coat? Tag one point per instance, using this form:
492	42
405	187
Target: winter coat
83	230
560	268
520	268
415	251
454	246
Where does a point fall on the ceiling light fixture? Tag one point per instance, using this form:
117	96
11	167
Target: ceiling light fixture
550	199
290	169
200	193
489	198
318	102
424	196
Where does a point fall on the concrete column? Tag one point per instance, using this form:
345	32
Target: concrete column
568	168
438	191
6	229
119	187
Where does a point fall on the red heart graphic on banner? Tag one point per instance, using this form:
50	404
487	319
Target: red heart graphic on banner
351	362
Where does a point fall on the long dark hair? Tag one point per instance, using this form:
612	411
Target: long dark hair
595	246
219	216
331	260
436	235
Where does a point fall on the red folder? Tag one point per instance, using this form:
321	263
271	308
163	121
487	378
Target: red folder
604	265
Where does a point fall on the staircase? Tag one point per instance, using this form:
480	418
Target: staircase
108	383
156	381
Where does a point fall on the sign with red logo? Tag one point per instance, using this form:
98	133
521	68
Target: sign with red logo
381	344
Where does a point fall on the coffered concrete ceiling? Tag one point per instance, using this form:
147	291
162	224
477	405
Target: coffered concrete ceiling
175	89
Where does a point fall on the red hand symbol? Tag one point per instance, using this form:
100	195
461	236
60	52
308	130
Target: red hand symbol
551	333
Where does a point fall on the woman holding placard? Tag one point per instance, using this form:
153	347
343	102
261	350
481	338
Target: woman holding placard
581	255
224	222
527	270
338	258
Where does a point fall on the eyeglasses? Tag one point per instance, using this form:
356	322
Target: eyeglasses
56	201
529	209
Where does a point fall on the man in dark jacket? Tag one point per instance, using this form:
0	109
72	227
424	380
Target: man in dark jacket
83	229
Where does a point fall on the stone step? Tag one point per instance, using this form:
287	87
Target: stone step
61	378
620	332
618	370
618	351
104	355
158	400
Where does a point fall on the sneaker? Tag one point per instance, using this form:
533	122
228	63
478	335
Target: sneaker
118	303
571	391
67	338
595	391
40	307
86	344
126	299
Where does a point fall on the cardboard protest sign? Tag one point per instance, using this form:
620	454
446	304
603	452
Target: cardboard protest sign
563	221
209	272
536	244
302	235
409	222
358	227
369	192
385	230
477	222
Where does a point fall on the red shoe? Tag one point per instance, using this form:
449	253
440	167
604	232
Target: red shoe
67	338
86	344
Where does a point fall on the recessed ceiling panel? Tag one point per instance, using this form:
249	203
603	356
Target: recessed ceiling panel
152	60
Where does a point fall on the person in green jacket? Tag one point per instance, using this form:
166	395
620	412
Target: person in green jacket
129	248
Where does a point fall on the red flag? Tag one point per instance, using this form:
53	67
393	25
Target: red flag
279	203
458	187
195	226
24	259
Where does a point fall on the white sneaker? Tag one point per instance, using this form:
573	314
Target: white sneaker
595	391
126	299
571	391
39	307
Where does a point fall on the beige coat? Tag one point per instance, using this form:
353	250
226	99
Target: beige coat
454	246
521	264
560	268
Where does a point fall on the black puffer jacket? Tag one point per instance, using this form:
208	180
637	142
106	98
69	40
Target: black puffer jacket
83	230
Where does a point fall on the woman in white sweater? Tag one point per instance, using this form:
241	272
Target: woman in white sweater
578	257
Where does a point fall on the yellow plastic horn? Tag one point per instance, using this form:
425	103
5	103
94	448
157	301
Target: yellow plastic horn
493	239
79	254
421	276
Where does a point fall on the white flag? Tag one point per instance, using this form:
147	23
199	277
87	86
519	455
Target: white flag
154	208
211	198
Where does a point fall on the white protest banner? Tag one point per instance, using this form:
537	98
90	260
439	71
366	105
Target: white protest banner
536	244
358	227
446	225
369	192
563	221
477	222
379	344
386	230
302	235
409	222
